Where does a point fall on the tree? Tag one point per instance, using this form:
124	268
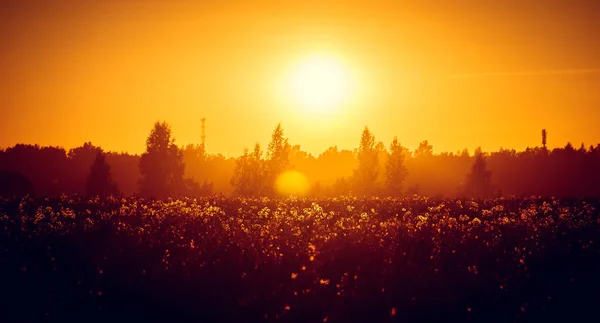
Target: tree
46	168
248	174
161	166
80	160
195	159
100	182
569	148
194	189
299	158
277	158
341	186
365	174
125	170
196	171
479	181
14	184
465	153
544	138
395	169
424	150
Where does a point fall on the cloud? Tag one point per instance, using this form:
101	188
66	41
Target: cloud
580	71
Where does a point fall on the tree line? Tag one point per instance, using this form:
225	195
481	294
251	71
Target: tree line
372	169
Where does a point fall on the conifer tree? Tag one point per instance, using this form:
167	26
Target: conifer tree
100	182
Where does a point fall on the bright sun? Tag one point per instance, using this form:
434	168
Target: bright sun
320	84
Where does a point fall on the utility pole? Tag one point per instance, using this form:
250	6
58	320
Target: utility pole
203	135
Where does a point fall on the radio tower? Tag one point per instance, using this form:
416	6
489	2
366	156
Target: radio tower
203	135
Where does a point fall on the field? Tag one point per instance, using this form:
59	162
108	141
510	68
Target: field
299	260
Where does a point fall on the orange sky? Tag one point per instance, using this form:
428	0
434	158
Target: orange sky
460	74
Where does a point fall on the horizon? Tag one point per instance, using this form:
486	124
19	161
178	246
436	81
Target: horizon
264	145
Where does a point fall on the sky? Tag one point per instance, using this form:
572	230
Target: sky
460	74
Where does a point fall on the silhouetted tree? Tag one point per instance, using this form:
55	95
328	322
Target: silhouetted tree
195	159
424	150
465	153
14	184
52	172
125	169
479	181
248	174
100	182
342	186
544	138
569	148
277	158
80	161
298	159
382	159
333	164
194	189
162	164
368	161
196	168
46	167
395	170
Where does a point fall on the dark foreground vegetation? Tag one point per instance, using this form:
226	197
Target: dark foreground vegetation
314	260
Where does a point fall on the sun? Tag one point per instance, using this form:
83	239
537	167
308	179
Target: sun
320	84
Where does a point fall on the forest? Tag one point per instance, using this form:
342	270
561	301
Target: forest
374	168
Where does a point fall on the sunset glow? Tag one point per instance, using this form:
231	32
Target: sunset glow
417	70
319	85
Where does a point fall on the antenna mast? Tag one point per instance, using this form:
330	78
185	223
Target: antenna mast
203	136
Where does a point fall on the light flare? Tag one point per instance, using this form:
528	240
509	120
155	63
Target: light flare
292	183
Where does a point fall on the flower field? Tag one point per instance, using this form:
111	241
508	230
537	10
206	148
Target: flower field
299	260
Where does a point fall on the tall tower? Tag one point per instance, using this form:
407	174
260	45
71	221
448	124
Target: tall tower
203	135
